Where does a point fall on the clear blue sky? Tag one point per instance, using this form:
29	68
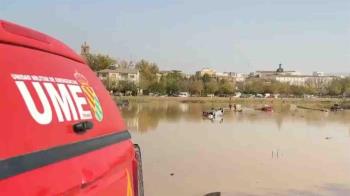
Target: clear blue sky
232	35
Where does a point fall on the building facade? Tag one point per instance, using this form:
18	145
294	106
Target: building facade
237	77
230	76
317	79
208	71
305	80
279	71
85	49
114	75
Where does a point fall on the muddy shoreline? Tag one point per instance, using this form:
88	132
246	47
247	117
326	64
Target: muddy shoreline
319	103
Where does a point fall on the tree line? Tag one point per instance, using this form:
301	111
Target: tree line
172	83
151	81
337	87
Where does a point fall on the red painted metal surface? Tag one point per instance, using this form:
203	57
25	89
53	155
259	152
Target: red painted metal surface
34	62
23	36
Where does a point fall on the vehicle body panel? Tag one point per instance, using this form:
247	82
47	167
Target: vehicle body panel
46	90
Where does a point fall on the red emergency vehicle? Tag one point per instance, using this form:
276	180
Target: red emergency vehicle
61	133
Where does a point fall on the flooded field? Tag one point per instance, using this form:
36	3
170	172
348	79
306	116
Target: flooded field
286	152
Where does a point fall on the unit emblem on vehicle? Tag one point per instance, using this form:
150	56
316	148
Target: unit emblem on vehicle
70	99
90	95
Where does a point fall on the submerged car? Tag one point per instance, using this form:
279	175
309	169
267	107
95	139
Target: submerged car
336	107
61	134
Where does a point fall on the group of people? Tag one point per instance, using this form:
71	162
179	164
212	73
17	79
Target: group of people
236	107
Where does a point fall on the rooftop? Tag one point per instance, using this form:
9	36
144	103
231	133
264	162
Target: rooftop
119	70
304	76
274	71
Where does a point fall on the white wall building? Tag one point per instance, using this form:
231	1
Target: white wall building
208	71
318	73
115	75
231	76
317	79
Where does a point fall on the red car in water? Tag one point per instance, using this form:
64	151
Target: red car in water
61	133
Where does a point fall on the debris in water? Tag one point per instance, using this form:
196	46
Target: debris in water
327	138
213	194
171	174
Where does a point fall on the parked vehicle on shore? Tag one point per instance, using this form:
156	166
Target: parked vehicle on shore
184	94
246	96
62	134
336	107
237	95
259	95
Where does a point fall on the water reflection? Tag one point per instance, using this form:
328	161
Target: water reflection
143	117
289	151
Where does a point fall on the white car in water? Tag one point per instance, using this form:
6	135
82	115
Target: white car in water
184	94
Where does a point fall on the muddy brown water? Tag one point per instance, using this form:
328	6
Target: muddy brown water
286	152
